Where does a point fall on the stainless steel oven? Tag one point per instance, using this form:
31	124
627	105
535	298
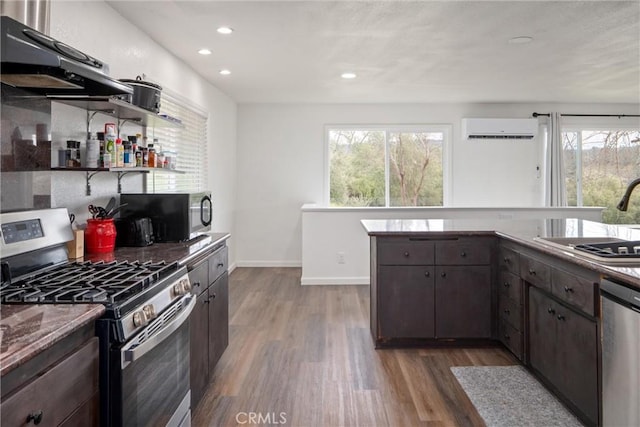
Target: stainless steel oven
143	335
151	371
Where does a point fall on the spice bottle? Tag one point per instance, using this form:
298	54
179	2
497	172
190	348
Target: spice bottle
152	156
119	153
109	158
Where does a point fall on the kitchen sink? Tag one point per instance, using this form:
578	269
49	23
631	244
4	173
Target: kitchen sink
604	250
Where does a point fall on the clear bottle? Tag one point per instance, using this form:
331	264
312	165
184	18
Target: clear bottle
109	159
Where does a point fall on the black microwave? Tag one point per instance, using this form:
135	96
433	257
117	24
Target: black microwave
175	217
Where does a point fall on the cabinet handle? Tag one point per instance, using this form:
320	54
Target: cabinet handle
212	297
220	265
506	311
36	417
568	289
196	284
507	337
532	272
506	260
507	284
463	254
427	274
443	274
561	317
551	310
406	254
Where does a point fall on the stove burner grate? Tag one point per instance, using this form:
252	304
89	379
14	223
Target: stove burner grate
86	282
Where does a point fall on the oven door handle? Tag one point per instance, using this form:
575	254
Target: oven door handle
130	356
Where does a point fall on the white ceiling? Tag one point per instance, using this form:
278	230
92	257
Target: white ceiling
424	51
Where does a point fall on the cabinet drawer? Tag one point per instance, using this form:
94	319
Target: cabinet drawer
575	290
510	286
218	263
535	272
403	251
511	338
508	260
199	277
464	251
510	311
58	392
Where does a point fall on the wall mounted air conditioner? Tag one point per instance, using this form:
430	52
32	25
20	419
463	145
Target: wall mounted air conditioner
499	128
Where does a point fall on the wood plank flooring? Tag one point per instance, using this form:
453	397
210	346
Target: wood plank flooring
303	356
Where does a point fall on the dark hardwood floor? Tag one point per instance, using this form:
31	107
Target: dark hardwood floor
303	356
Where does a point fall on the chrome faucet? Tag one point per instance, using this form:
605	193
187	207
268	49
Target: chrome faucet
624	202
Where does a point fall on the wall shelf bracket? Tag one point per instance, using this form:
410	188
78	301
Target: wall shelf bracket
89	176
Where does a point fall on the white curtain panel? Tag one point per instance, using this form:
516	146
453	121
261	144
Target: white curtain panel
555	191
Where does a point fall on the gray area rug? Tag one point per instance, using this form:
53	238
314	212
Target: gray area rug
509	396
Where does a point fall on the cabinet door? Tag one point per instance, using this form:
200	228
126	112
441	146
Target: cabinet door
463	302
405	302
199	330
542	334
218	319
577	361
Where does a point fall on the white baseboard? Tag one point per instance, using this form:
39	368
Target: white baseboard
334	281
269	263
232	267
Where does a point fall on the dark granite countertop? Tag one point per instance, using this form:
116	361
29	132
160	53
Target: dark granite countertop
27	330
524	232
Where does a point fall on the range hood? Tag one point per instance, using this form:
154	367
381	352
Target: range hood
44	66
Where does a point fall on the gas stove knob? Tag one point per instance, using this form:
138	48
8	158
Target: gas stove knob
149	311
186	285
140	318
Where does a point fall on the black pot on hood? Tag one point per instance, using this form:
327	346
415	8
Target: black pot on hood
145	95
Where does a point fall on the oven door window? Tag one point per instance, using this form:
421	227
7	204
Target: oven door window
154	385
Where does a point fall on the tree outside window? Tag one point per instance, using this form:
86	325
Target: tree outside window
386	167
599	164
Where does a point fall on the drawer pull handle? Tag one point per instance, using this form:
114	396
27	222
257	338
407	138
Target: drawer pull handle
507	337
532	272
220	265
507	284
551	310
427	274
507	260
443	274
463	254
406	254
568	289
212	297
196	284
36	417
561	317
506	311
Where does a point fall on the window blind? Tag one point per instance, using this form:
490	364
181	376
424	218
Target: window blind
187	143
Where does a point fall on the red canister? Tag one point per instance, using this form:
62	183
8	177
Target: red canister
100	236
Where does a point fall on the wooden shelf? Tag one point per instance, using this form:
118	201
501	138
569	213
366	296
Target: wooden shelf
121	110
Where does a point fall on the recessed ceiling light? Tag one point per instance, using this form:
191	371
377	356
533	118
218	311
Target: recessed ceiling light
225	72
348	75
521	40
225	30
204	52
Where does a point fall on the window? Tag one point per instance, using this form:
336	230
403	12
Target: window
390	166
599	164
188	143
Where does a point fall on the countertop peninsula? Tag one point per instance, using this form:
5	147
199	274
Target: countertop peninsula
524	232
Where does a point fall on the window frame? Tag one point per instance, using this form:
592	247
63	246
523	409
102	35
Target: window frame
447	178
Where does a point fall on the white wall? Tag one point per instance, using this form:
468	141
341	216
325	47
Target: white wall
95	28
281	156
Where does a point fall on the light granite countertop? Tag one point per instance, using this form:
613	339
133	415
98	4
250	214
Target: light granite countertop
525	232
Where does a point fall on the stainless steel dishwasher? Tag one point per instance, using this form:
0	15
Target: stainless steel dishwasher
620	355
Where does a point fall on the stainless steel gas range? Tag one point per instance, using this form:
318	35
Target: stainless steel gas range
144	334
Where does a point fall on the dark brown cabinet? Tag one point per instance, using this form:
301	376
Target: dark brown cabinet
64	394
407	300
429	289
563	349
209	321
510	301
463	302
